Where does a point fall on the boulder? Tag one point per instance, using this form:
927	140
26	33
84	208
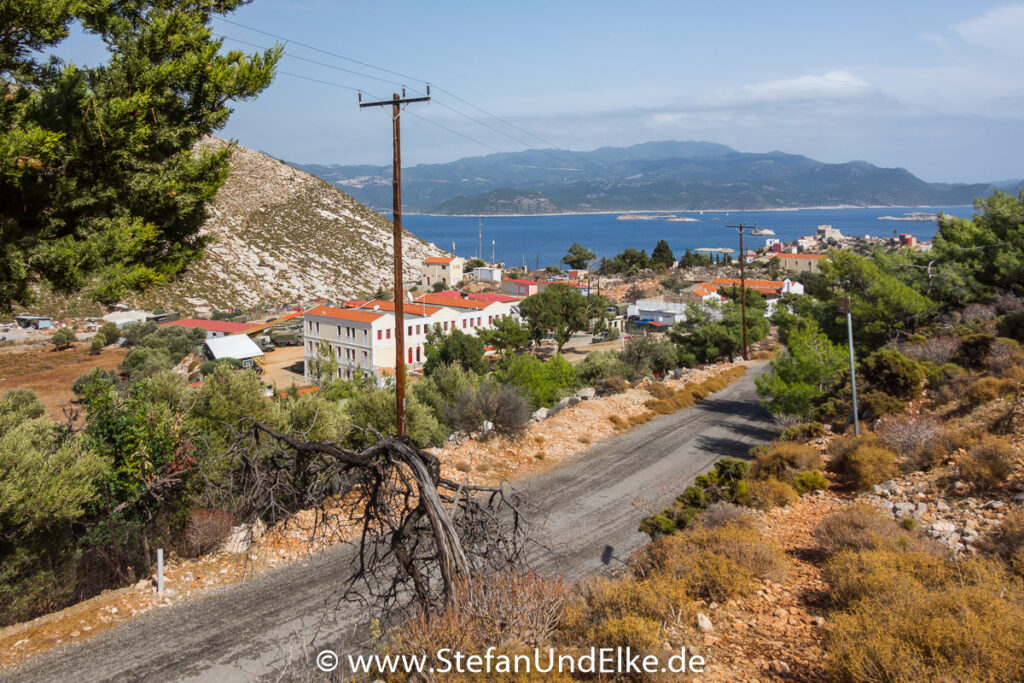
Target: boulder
704	623
587	393
540	414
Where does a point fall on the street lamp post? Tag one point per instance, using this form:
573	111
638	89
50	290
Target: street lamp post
843	305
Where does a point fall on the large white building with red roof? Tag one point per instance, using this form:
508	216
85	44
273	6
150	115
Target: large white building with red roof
213	328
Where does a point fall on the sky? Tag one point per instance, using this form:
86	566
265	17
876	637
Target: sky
936	86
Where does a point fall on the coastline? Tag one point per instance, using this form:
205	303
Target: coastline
645	211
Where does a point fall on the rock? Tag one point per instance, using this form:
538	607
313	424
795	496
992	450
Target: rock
488	426
1019	498
994	505
587	393
567	402
818	621
540	414
780	667
704	623
941	506
943	527
920	510
904	509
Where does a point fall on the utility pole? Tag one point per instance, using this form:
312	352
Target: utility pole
843	306
479	237
397	103
743	283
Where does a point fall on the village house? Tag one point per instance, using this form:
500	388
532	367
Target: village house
237	346
419	318
700	294
472	314
446	270
360	340
802	263
521	288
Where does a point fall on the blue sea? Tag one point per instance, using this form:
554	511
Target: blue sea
543	240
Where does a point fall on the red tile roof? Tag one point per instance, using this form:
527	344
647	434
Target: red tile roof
521	282
410	308
756	284
804	256
439	259
211	325
351	314
454	303
492	296
450	293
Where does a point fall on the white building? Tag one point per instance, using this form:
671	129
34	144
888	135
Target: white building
664	312
237	346
472	314
359	340
487	274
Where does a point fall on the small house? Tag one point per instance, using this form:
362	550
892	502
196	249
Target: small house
237	346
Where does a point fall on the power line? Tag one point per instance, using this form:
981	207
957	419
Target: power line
570	153
422	118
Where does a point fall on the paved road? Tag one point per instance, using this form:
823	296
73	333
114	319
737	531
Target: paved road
590	506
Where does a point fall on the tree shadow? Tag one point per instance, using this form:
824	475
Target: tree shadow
724	446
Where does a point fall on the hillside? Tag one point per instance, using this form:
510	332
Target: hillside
284	236
651	176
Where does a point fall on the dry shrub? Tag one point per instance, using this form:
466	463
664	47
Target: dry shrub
207	530
987	389
737	541
1007	541
618	422
784	460
611	385
937	350
917	437
803	432
641	418
765	494
723	512
857	527
510	611
854	575
660	390
866	464
1003	355
918	621
988	463
605	606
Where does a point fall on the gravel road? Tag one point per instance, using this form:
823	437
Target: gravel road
587	514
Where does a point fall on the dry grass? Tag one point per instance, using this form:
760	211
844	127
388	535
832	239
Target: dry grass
858	527
909	616
863	461
1007	541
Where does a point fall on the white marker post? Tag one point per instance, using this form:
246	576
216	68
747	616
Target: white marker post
160	570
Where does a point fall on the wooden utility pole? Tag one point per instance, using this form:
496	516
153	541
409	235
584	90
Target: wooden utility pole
743	283
396	103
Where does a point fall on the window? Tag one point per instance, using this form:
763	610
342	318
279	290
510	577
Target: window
380	334
418	329
463	323
479	321
410	330
410	356
318	328
417	354
389	333
490	320
339	331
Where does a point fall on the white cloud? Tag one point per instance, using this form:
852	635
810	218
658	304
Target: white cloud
833	85
999	30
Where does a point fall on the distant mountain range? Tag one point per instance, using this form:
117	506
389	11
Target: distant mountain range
654	176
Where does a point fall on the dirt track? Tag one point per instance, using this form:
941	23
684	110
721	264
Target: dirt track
50	373
589	510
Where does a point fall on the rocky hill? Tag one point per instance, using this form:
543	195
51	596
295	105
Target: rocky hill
283	236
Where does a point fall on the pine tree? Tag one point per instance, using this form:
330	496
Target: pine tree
102	186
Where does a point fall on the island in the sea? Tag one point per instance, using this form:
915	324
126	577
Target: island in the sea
913	216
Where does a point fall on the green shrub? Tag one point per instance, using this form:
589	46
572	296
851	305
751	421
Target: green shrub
974	348
987	389
783	461
602	365
765	494
142	362
726	482
647	355
97	344
111	332
989	463
879	404
63	338
543	383
1011	326
812	480
78	387
806	431
889	371
502	405
136	333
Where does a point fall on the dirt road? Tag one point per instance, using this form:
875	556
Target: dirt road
589	510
